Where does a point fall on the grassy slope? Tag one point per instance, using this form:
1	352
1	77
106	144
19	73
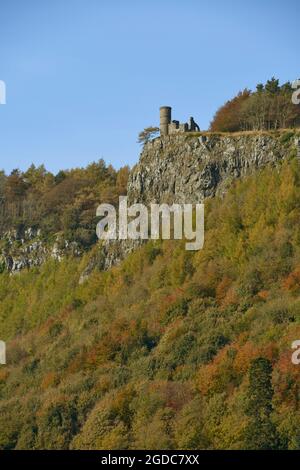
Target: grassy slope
156	352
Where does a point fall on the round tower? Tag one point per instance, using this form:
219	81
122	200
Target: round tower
165	119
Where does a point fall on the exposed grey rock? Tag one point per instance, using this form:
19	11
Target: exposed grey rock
110	253
181	168
25	249
189	169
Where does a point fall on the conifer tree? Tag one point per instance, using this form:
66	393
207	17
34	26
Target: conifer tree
260	432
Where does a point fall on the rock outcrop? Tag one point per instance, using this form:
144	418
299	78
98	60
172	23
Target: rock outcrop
180	168
189	168
185	168
20	249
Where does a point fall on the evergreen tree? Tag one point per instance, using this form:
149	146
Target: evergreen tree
272	86
260	432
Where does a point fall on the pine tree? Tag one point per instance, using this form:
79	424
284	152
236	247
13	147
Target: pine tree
260	432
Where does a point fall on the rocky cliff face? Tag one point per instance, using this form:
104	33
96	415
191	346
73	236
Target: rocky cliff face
21	249
190	168
186	168
179	168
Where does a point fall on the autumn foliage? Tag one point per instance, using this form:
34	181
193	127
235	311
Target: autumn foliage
169	349
269	107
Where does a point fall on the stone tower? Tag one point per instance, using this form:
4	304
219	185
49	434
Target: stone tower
165	119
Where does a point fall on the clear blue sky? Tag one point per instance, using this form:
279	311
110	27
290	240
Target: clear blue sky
84	77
